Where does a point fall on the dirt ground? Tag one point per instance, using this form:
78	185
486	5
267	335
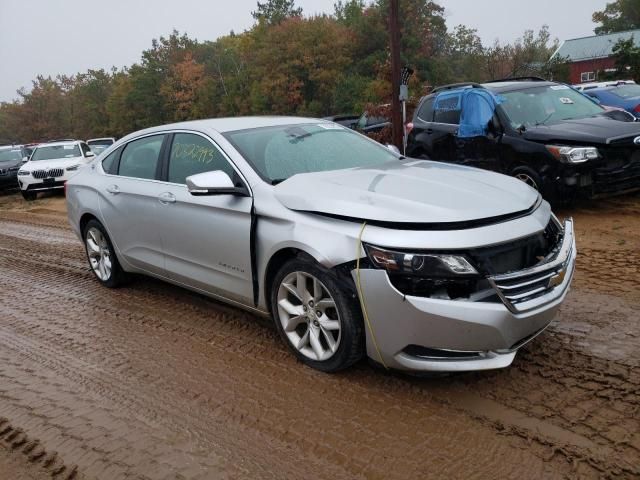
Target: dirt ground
151	381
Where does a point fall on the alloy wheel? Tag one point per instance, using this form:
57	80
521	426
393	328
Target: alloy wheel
527	179
99	254
308	315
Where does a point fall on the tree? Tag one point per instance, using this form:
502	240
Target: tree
183	90
274	12
618	16
627	57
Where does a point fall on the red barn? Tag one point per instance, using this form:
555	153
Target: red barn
589	55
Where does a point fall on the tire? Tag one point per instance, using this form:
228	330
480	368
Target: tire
529	176
29	196
293	295
100	254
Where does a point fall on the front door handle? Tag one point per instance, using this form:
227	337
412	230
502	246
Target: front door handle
113	189
166	198
429	131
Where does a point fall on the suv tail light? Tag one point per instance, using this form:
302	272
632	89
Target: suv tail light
637	109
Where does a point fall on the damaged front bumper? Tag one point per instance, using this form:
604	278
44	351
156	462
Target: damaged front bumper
428	334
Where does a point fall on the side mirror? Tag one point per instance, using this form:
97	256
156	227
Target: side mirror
89	154
393	148
214	183
25	159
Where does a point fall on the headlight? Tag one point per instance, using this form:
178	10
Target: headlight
434	265
73	168
23	173
573	154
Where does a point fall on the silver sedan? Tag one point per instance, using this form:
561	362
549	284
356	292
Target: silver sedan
352	249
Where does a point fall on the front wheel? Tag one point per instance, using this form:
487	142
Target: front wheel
528	176
319	321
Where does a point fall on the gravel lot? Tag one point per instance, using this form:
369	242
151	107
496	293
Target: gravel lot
151	381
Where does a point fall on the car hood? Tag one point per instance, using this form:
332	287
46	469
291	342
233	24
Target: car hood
589	131
408	192
47	164
10	163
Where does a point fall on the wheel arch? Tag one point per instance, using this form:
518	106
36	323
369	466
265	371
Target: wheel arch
274	264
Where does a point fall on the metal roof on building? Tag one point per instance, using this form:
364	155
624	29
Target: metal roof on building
596	46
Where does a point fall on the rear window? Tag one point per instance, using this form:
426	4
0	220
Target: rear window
447	109
426	110
56	152
627	91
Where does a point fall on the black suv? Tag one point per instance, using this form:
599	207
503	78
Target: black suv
544	133
11	158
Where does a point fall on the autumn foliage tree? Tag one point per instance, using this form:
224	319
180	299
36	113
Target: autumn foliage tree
285	64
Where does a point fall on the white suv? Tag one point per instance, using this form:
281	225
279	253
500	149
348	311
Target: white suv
51	165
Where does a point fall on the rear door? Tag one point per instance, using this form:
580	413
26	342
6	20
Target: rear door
206	239
129	202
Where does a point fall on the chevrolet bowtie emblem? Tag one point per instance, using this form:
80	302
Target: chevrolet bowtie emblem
557	279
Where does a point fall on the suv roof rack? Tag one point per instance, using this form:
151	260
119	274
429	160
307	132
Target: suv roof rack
519	79
456	85
61	140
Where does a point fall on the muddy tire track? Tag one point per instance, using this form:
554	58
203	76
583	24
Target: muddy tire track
151	381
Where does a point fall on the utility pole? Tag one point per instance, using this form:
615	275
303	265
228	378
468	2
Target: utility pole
397	128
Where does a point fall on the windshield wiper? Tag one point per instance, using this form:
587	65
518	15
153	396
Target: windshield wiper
545	120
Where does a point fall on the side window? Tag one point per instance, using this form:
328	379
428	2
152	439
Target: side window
447	109
426	110
140	157
85	149
109	163
192	154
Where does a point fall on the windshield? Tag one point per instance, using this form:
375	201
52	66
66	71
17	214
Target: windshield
627	91
278	153
547	104
6	155
55	152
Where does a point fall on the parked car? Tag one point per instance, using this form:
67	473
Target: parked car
51	165
544	133
351	247
621	94
371	123
99	145
346	120
11	158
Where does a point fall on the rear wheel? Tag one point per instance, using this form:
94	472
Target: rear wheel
29	196
101	255
318	320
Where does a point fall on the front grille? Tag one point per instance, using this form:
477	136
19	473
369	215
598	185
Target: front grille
519	290
619	172
51	173
4	171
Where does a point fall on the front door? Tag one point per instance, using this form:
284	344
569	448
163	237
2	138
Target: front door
206	239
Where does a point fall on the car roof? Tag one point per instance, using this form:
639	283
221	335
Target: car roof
58	144
511	86
229	124
10	147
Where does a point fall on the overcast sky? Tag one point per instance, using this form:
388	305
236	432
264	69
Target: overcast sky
53	37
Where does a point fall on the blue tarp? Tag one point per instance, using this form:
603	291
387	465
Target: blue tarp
476	107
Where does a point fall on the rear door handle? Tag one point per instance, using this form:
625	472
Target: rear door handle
113	189
166	198
429	131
